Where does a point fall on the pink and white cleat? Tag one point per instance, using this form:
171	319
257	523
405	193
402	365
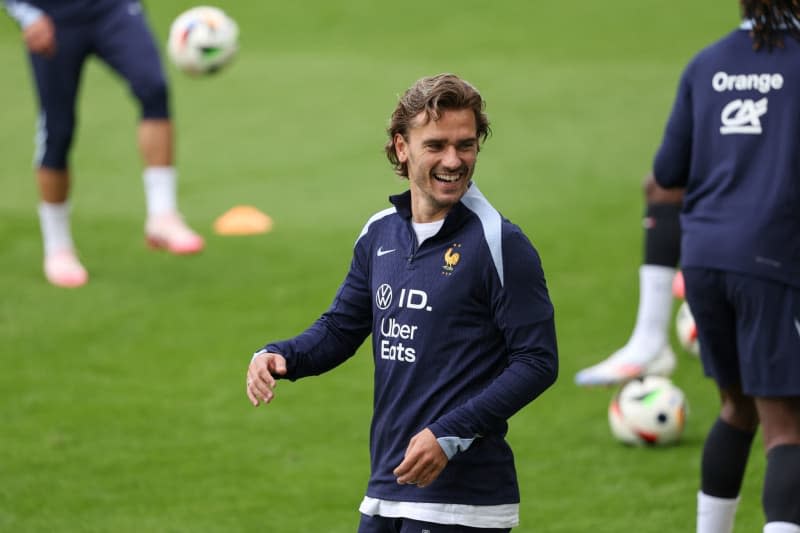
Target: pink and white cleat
625	365
169	232
63	269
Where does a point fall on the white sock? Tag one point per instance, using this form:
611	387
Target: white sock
160	189
54	222
654	316
781	527
715	515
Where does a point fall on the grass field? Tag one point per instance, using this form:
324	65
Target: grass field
122	404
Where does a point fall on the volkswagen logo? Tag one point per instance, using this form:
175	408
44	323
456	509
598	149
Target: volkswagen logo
383	296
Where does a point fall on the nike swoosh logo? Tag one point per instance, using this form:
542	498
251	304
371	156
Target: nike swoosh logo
381	251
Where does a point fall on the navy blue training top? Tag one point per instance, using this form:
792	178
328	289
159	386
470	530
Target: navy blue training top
733	140
69	12
463	337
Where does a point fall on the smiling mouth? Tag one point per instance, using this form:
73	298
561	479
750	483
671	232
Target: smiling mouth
447	178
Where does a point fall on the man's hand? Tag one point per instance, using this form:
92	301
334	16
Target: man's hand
260	377
424	460
40	36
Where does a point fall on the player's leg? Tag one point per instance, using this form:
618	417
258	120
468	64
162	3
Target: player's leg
57	79
724	460
647	351
727	445
140	65
770	319
768	340
781	493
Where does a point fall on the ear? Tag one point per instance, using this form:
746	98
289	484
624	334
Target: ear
401	147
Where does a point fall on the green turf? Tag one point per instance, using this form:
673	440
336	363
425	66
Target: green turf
122	404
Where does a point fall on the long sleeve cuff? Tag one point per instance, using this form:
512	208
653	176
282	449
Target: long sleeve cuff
25	14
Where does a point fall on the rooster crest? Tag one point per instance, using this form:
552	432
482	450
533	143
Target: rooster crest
451	258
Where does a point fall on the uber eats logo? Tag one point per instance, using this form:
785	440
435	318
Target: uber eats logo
396	341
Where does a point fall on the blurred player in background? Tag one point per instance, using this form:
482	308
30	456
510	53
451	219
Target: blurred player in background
732	141
60	35
648	350
462	328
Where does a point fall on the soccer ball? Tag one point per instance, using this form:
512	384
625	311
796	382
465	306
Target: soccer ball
202	40
686	329
648	411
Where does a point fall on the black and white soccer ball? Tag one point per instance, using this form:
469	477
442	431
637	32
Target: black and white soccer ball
648	411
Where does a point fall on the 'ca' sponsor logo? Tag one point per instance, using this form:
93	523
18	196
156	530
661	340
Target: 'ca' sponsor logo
743	116
383	296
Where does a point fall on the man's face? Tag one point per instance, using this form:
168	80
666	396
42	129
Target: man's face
441	158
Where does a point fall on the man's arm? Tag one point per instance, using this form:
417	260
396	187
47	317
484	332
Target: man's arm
524	313
327	343
671	162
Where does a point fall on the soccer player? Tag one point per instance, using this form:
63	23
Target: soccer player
60	35
462	328
731	140
648	351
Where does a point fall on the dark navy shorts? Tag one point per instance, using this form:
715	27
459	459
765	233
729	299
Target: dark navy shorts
380	524
748	329
122	39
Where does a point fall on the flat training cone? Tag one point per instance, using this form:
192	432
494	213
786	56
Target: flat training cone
242	220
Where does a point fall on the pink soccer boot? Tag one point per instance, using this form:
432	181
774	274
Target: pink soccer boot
63	269
169	232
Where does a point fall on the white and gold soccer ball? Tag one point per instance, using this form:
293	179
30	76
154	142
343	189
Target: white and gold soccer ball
649	411
203	40
686	329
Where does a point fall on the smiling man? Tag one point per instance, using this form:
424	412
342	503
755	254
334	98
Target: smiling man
462	328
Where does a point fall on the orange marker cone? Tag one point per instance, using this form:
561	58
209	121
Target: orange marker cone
242	220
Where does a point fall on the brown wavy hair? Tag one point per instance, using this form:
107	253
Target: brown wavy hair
433	95
770	19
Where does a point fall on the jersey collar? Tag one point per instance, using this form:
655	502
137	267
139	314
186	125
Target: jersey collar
453	220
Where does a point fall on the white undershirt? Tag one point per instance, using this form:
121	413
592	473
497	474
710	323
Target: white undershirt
490	516
426	230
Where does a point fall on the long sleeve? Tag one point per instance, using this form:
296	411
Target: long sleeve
22	12
671	164
524	315
337	334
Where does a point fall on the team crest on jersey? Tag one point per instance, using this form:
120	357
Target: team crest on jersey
451	259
